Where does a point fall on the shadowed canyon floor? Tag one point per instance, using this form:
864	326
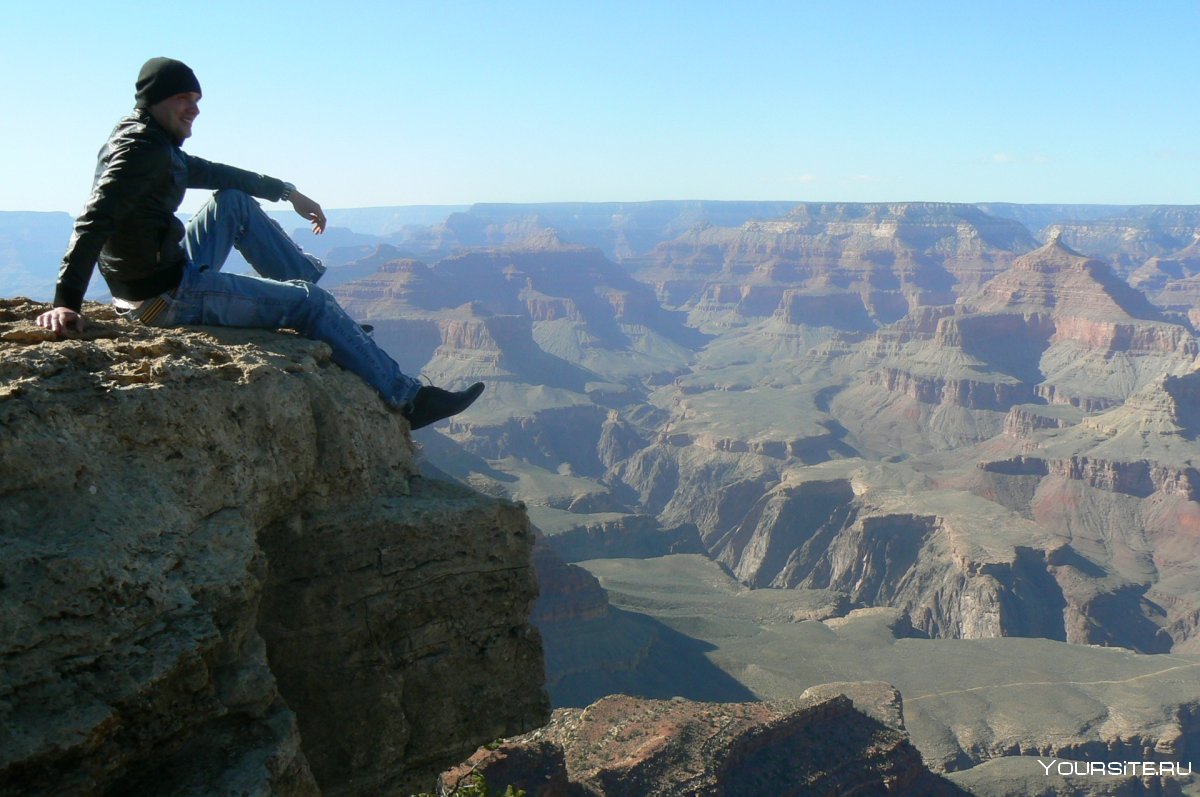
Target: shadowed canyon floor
964	701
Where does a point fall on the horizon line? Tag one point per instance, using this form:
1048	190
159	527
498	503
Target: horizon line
566	202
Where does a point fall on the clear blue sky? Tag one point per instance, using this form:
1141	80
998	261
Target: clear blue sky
402	103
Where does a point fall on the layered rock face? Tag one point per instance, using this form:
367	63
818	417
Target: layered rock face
845	266
821	744
1086	304
950	578
1060	328
1126	240
221	573
540	312
1172	281
1057	327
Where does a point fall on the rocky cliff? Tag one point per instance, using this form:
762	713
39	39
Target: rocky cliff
221	573
825	743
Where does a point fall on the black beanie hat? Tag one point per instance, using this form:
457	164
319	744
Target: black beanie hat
161	78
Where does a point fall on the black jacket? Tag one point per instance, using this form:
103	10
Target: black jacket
129	224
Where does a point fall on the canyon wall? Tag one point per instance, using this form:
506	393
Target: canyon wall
222	573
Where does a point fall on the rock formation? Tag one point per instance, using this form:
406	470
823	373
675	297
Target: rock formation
1057	327
1127	239
848	266
824	743
221	573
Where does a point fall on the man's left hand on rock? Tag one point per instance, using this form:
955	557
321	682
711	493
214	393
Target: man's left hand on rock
61	320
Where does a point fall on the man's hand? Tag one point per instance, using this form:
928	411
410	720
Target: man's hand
309	210
60	320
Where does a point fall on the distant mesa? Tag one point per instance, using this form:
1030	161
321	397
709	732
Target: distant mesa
889	258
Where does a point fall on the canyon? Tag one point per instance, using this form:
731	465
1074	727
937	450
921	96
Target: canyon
766	447
916	406
923	408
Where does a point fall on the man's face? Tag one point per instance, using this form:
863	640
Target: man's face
177	113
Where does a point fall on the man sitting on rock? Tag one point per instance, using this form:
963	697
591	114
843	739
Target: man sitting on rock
163	274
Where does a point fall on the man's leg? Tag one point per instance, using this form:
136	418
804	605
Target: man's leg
208	296
232	219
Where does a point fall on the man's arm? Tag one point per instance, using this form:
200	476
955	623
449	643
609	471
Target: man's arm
215	176
129	172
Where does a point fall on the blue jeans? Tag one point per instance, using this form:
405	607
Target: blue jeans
283	297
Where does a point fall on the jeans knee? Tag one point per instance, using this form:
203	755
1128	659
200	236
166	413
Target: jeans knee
316	295
316	300
326	304
233	200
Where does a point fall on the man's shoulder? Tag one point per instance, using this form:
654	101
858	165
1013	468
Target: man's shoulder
138	133
139	125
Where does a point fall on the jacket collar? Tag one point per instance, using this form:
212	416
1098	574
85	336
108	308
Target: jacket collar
144	116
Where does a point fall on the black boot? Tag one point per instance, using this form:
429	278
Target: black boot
431	404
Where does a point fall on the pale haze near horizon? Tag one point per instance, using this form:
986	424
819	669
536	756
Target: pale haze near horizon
376	104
